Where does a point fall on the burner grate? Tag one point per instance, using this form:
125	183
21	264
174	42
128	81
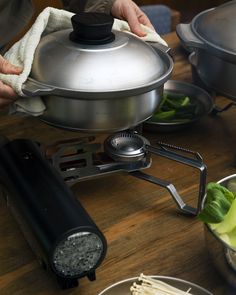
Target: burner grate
126	146
124	151
78	160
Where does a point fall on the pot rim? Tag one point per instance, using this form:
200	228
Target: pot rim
208	45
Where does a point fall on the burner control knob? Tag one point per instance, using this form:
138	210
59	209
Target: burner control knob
92	28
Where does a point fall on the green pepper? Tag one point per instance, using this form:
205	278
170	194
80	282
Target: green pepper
175	107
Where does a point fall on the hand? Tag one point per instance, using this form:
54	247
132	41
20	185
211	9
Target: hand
7	94
129	11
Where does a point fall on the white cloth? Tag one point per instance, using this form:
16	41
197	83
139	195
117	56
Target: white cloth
22	53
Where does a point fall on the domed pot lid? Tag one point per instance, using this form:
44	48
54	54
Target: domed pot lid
93	61
217	27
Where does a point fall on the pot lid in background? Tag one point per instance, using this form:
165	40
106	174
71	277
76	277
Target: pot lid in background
217	27
91	61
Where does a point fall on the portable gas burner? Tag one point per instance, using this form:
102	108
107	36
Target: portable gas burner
82	159
57	227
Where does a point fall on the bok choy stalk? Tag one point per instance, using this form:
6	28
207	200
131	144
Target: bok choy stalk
219	212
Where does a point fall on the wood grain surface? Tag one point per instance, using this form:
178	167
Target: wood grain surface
144	229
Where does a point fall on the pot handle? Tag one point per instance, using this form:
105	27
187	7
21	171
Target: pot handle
34	88
188	38
161	47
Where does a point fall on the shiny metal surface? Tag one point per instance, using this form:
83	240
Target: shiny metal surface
126	63
216	74
98	88
211	35
212	30
126	146
103	115
222	255
216	27
123	287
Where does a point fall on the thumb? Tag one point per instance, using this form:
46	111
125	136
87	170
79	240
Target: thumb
7	68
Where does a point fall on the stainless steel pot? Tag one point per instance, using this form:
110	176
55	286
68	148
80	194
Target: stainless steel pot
222	255
211	35
199	82
95	80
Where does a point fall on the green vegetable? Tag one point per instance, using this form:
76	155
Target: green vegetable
175	107
164	115
217	204
229	222
220	212
229	238
228	194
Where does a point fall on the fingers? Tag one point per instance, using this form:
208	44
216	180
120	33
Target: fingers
139	18
134	23
7	92
129	11
144	20
7	95
8	68
5	102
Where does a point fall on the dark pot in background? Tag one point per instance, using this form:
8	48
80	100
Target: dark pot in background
211	35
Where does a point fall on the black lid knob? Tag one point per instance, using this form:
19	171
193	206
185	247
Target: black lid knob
92	28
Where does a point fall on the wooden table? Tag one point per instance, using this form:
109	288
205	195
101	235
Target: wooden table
144	229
